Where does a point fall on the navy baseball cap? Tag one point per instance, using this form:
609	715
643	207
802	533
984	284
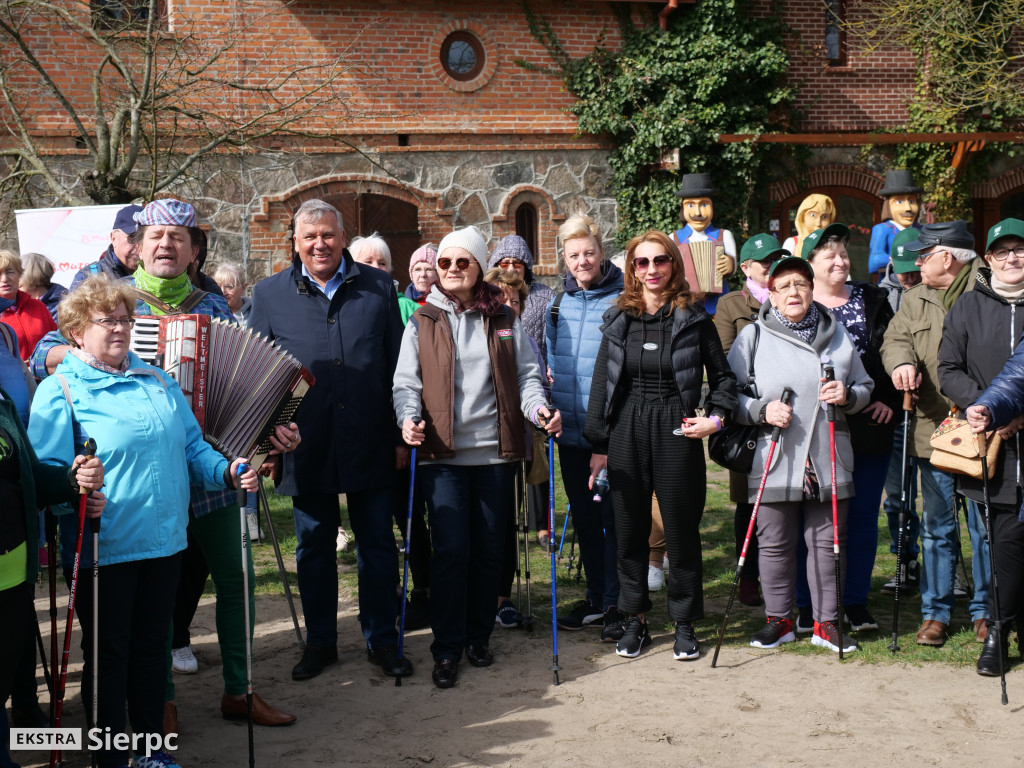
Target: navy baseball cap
125	219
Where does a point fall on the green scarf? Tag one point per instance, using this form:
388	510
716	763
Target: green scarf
170	290
956	289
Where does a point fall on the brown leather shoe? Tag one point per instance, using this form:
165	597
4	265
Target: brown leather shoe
233	708
170	717
980	630
932	633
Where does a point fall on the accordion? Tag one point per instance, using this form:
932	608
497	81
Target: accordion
239	384
704	254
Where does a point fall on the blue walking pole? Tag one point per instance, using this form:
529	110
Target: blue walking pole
554	588
565	527
405	558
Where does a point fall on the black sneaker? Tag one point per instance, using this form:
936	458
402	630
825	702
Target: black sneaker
685	648
988	662
805	621
860	618
909	584
774	633
826	635
634	638
614	625
582	615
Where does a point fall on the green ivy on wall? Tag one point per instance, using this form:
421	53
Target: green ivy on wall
715	70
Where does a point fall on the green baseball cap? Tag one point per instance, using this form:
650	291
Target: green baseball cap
1004	228
820	235
904	261
790	262
761	248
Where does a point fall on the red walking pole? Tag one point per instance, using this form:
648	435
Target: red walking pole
830	375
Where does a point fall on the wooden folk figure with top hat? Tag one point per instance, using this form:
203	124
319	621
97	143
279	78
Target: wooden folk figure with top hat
899	211
698	210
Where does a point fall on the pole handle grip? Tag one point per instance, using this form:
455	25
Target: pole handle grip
787	395
908	400
88	450
982	439
243	498
830	375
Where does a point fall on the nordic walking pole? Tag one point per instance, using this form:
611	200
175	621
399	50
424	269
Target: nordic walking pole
242	504
280	567
55	756
961	503
565	526
1000	638
555	668
526	622
908	407
51	573
405	559
787	393
830	375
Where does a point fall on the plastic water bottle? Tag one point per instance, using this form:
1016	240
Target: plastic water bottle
601	485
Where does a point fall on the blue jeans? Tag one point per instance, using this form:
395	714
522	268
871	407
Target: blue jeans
981	564
468	512
317	516
891	504
938	546
594	523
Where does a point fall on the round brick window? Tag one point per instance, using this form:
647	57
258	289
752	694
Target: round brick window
462	56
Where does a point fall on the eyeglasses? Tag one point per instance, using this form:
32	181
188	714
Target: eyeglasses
110	323
1004	253
641	263
445	262
510	263
800	285
923	257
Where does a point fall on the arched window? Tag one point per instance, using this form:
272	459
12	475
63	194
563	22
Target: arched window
526	227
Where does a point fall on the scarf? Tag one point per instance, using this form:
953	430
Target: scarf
758	291
88	359
806	329
171	290
1007	291
956	288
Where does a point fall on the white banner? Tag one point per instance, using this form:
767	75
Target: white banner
69	237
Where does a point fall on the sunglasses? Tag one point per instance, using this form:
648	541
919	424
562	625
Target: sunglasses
445	262
641	263
509	263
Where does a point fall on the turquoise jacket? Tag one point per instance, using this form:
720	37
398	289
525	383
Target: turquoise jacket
150	445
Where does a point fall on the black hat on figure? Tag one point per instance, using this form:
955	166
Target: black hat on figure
899	183
697	185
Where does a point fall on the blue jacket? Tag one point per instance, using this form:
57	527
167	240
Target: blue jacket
350	344
880	248
150	445
1004	397
572	348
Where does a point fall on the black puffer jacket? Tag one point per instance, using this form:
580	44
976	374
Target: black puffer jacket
866	435
980	333
696	347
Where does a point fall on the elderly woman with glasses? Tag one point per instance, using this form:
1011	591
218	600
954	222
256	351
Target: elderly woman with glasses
792	345
29	317
465	379
657	343
152	448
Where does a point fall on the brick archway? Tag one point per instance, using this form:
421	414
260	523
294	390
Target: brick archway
548	219
826	176
270	224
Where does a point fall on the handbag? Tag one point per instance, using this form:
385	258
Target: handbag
955	448
733	447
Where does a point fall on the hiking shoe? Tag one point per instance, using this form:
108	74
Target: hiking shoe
910	581
860	618
544	541
582	615
155	760
634	638
655	578
774	633
988	663
685	648
826	635
614	625
507	615
342	542
805	621
184	661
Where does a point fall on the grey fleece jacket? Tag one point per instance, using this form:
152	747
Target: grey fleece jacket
783	360
476	413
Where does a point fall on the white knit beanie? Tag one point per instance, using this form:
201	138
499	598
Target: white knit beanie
471	240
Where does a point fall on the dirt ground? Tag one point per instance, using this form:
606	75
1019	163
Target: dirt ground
758	708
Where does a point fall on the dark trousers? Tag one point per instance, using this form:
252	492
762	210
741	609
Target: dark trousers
1008	548
419	546
135	607
594	523
15	613
317	516
468	508
194	572
644	457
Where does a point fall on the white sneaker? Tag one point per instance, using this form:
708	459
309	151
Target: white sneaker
184	661
343	539
655	578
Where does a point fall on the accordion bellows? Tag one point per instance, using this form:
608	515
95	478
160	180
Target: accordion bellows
239	384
